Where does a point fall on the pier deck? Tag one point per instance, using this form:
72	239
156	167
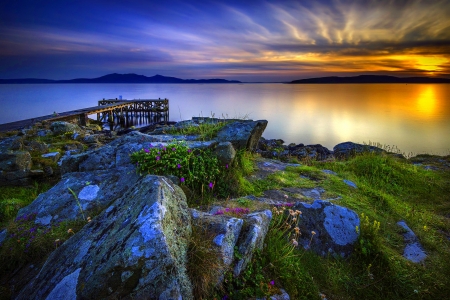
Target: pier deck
107	111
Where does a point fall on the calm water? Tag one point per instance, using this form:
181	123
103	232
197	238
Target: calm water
413	117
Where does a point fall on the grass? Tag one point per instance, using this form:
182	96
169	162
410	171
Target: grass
389	190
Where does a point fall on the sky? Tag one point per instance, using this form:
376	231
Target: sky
251	41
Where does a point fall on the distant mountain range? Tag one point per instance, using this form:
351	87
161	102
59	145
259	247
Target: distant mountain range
119	78
372	79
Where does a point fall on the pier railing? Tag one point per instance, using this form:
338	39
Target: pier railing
153	110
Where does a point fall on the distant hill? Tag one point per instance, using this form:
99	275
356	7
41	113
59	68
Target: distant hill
119	78
371	79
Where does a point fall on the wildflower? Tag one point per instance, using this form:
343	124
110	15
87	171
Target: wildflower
70	231
286	196
297	230
294	242
272	282
158	158
174	149
226	166
182	179
297	212
189	150
178	166
313	232
146	150
89	219
294	219
211	185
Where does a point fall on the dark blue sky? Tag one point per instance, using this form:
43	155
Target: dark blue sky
242	40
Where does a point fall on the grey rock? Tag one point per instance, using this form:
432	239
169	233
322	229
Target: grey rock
329	172
14	167
283	296
3	235
135	249
60	127
54	156
13	143
225	152
251	238
225	230
36	146
314	152
334	227
36	173
413	249
117	153
348	149
43	132
91	139
242	134
95	191
350	183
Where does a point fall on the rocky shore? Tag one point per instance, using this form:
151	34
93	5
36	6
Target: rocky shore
136	246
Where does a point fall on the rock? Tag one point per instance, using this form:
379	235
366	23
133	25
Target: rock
3	235
350	183
36	173
60	127
43	132
268	166
14	167
58	204
242	134
413	249
251	238
315	152
348	149
13	143
135	249
225	153
48	171
91	139
225	230
334	227
283	296
117	153
54	156
36	146
329	172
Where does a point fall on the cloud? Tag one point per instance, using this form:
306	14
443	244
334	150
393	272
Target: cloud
288	37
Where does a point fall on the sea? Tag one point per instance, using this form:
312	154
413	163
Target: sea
413	118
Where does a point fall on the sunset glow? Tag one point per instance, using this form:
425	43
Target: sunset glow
242	40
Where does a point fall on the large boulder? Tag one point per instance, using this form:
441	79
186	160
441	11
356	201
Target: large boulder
135	249
327	228
242	134
94	191
348	149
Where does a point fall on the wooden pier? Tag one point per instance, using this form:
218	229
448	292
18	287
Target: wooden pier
123	112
